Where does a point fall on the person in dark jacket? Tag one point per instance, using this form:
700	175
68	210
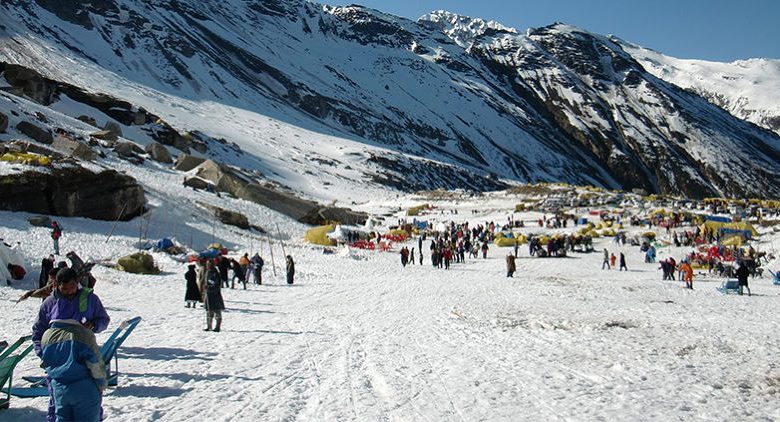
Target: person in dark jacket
256	268
46	265
510	265
192	296
238	273
223	266
214	304
623	262
290	269
742	276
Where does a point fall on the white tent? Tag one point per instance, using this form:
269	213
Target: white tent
9	256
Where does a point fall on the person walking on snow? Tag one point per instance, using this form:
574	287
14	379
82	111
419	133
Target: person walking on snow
192	295
256	264
510	265
612	260
742	276
212	297
290	269
411	256
686	268
606	260
56	233
623	262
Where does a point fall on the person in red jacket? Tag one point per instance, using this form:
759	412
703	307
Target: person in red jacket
56	233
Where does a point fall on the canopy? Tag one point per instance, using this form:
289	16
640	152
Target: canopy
319	235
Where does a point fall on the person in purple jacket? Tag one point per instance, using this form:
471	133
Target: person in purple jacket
68	301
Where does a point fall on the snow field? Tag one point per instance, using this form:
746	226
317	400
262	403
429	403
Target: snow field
364	339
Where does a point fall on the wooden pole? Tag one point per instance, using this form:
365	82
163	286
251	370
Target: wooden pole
271	249
122	211
279	232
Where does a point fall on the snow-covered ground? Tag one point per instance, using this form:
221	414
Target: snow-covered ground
358	337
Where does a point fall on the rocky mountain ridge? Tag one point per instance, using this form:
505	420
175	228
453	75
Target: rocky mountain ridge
482	101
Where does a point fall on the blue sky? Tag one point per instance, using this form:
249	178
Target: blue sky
719	30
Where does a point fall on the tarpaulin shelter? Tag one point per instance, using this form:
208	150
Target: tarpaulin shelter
319	235
717	218
509	239
715	226
416	210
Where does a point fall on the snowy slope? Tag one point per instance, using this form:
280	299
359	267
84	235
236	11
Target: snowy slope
740	87
458	91
358	338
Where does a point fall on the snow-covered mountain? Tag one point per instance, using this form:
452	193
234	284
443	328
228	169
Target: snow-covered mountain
442	102
745	88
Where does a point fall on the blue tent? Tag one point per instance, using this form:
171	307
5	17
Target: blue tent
209	254
164	243
718	219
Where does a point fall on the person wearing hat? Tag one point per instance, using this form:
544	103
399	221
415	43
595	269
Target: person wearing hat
68	301
192	296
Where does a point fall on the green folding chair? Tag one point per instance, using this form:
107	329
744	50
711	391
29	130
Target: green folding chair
8	361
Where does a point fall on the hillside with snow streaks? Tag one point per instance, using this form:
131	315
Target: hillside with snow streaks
447	101
745	88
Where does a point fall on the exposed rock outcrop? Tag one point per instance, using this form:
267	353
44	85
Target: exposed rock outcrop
73	191
3	123
41	135
226	179
73	149
228	217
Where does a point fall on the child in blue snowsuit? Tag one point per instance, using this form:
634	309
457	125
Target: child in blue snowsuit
72	360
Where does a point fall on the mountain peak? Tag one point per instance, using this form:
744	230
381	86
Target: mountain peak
462	29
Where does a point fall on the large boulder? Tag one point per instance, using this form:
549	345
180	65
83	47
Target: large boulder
73	148
232	218
105	135
36	133
40	221
73	191
186	162
159	153
88	120
223	177
128	149
137	263
114	128
27	82
3	123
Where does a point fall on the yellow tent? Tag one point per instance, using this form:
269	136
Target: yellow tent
503	241
318	235
732	241
26	158
413	211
